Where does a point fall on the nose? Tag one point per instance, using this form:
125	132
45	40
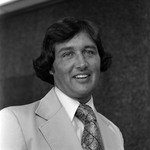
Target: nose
81	62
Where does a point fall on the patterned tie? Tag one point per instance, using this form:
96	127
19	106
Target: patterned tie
91	138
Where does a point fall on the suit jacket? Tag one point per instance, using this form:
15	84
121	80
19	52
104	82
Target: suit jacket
45	125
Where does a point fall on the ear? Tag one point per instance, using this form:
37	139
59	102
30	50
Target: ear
52	71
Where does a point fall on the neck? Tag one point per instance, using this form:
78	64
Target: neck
83	100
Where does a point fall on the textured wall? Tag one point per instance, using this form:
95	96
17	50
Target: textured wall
123	93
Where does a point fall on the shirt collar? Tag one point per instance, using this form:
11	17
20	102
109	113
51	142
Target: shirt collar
70	104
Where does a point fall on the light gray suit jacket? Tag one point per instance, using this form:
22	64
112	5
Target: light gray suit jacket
45	125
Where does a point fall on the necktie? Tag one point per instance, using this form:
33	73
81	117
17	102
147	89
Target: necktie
91	138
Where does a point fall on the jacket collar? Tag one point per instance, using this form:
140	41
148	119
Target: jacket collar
109	133
57	128
59	132
49	105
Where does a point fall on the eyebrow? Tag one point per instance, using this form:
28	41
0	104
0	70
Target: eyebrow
71	48
90	46
65	49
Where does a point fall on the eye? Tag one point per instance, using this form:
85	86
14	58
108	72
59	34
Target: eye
89	52
67	55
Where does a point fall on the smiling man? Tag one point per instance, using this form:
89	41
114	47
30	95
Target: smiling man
72	59
77	67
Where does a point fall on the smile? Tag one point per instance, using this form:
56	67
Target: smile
81	76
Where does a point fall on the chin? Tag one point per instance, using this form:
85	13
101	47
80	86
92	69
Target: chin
83	93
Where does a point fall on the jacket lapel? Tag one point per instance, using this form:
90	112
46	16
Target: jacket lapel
109	137
57	128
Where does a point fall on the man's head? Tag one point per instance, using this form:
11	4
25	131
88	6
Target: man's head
72	47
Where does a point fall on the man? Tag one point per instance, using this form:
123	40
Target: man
72	58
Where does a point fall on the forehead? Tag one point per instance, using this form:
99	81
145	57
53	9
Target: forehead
81	40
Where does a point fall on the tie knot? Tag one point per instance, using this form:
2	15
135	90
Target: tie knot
85	114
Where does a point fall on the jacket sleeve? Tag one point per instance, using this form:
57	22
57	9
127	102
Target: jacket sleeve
11	136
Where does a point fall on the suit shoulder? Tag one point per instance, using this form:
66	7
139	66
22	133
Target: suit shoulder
20	111
112	126
106	120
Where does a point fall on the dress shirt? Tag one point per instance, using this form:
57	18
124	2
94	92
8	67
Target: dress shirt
71	106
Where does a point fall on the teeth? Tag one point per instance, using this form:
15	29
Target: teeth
81	76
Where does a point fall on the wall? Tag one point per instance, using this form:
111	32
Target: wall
122	95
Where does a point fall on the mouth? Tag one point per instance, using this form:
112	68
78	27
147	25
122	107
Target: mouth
81	76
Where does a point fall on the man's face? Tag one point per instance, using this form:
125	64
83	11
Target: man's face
77	67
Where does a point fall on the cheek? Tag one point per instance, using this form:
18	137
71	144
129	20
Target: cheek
96	64
96	69
59	71
97	72
62	69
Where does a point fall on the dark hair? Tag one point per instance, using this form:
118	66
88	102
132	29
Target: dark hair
61	31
